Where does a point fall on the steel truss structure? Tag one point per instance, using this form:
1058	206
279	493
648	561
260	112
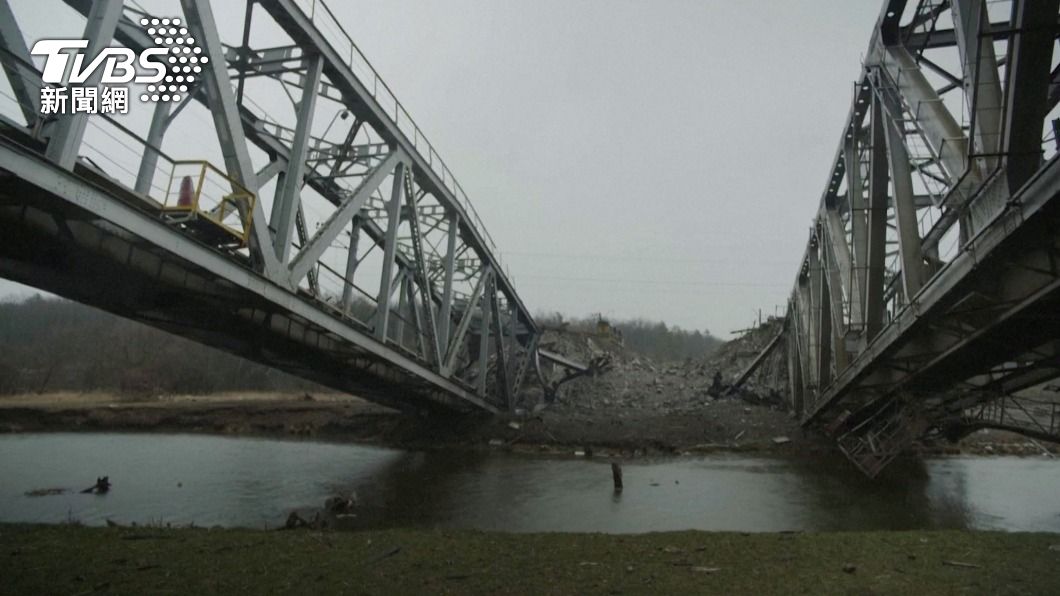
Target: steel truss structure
369	270
930	283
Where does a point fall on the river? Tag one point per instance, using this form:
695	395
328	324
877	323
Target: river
251	482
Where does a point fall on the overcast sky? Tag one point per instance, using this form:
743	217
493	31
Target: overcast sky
656	159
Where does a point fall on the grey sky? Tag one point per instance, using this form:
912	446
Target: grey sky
635	158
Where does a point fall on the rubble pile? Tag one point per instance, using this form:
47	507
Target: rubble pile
637	382
769	382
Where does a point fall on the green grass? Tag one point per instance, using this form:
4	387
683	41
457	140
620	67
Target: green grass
73	560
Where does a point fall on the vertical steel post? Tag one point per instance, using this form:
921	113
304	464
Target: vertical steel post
70	129
909	248
149	162
285	207
386	283
484	335
23	83
817	314
501	365
859	236
351	266
877	224
1027	76
794	367
445	315
982	87
403	307
228	126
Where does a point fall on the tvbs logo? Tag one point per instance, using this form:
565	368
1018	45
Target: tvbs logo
117	63
168	70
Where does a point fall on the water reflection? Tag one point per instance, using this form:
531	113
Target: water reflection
253	482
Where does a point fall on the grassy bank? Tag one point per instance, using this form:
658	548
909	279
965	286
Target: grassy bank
72	560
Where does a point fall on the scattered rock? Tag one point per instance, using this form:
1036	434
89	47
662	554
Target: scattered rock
496	442
706	569
961	564
341	504
781	440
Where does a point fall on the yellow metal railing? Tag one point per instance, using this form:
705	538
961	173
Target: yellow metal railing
197	192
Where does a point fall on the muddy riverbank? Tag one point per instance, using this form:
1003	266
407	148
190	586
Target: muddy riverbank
564	428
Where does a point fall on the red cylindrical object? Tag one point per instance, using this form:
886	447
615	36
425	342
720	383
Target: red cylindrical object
184	198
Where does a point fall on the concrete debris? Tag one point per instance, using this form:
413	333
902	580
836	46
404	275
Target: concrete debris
514	425
781	440
496	442
626	379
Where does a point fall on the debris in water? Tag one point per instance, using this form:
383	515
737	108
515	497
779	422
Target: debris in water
45	492
101	486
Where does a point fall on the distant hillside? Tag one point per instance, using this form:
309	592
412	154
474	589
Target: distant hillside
653	339
57	345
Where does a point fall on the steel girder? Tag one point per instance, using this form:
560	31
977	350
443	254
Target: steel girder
930	280
357	212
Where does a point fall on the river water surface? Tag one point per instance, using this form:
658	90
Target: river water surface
209	480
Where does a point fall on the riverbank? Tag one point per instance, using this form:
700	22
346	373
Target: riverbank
564	428
77	560
721	425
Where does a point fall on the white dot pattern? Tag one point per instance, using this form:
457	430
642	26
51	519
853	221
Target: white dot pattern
184	58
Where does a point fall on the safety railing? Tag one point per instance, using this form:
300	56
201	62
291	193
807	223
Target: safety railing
197	192
1021	412
324	20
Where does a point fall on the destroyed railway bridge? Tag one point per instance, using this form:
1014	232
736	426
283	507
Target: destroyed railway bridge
927	296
